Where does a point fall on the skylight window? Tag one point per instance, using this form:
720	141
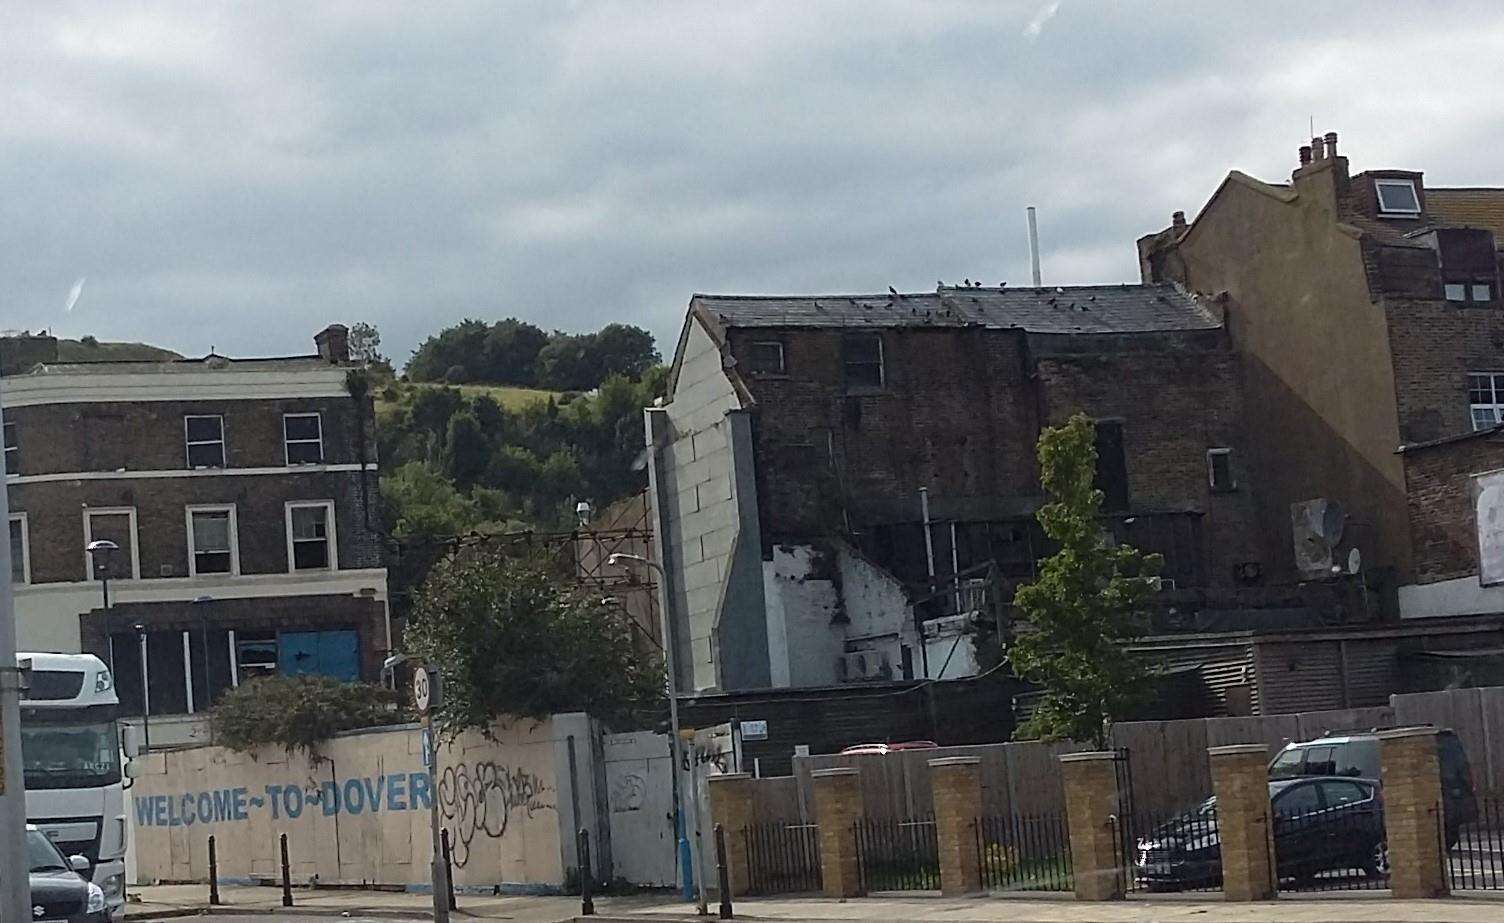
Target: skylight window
1397	197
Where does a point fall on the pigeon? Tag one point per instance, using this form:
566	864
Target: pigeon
892	290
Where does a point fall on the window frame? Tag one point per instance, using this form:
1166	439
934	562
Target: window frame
1496	406
10	441
783	358
881	363
287	442
1211	470
25	547
129	511
1385	211
1469	291
331	537
188	444
191	535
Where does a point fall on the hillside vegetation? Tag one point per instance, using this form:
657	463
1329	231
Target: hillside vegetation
88	349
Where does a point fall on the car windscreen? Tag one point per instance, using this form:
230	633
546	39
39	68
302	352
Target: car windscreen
41	855
1287	764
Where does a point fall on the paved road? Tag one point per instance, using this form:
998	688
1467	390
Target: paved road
314	918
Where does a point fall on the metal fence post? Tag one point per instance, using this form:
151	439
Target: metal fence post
286	874
213	874
448	868
723	876
587	902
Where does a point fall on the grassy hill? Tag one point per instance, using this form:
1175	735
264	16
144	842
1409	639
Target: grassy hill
513	399
96	351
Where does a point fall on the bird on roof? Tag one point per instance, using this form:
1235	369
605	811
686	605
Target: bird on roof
892	290
966	282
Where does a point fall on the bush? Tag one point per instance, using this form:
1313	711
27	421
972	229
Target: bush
298	713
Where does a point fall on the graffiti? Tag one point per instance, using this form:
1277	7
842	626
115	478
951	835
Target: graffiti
481	799
628	794
408	791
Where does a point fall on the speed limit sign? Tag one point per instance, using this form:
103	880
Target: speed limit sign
422	689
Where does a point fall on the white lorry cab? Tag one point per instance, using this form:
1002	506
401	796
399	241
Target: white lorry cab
71	748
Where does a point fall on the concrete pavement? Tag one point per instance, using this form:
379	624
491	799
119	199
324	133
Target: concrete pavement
168	902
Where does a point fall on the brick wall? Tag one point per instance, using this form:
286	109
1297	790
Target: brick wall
1443	524
150	435
960	413
1434	344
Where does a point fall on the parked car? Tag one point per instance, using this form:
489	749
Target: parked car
881	749
1356	755
1321	823
59	893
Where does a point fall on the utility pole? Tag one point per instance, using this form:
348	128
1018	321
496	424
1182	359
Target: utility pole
15	886
428	691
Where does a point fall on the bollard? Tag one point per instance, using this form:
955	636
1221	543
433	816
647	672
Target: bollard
213	874
587	902
723	876
448	868
286	875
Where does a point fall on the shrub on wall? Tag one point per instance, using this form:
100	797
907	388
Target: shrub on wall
298	713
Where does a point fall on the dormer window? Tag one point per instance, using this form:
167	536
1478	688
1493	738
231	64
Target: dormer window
1397	197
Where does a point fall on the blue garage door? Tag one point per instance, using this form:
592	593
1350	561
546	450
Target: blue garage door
326	653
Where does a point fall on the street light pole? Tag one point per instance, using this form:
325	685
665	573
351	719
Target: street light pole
101	551
688	806
427	695
15	889
145	690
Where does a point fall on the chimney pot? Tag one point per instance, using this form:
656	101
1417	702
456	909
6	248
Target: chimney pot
333	343
1177	220
1331	144
1305	154
1318	149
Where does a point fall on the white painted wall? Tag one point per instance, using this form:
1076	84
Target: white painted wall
697	485
1462	596
803	601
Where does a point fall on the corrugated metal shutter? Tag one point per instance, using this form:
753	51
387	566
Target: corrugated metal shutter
1372	672
1232	669
1297	677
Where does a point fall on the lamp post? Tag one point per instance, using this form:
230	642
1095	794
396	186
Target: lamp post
101	551
689	809
140	630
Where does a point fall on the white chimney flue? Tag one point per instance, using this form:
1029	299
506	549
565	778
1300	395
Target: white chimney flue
1034	246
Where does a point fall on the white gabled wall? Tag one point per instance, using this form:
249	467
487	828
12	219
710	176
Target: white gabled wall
697	488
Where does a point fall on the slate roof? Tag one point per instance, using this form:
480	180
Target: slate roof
1474	208
1051	310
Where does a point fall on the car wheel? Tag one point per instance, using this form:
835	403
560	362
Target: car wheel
1377	864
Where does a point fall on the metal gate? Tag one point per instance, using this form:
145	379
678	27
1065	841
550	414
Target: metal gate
1475	850
897	855
783	858
1024	853
639	790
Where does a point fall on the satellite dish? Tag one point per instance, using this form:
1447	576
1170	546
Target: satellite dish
1354	561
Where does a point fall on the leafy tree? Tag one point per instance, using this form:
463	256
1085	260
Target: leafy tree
568	363
515	640
417	501
511	352
451	346
298	713
365	343
465	448
621	349
1087	603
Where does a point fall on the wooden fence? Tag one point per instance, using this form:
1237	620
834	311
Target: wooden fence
1168	758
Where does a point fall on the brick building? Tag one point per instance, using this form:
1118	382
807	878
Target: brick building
807	440
1365	311
241	500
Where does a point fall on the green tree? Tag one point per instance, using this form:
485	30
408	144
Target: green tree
515	640
298	713
1086	604
621	349
511	352
365	343
465	448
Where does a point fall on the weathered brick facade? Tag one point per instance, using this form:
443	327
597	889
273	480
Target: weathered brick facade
1443	520
99	446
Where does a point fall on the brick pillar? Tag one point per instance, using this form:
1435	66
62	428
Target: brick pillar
731	807
1413	812
1091	804
838	805
1240	779
956	785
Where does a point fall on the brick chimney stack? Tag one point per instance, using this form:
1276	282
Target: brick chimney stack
1177	221
1305	155
1318	149
333	343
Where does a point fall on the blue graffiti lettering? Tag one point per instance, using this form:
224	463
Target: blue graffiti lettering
205	808
272	791
374	788
187	810
222	805
238	799
292	801
144	816
396	793
329	798
355	797
422	792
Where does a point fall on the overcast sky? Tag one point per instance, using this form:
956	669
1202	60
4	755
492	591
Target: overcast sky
239	175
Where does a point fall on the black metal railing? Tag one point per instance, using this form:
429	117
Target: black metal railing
1475	848
1171	851
897	855
1340	848
1024	852
783	858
